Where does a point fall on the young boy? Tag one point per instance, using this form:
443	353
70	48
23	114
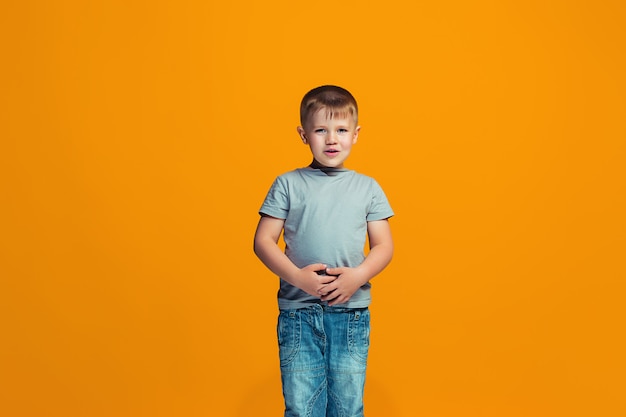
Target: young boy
325	212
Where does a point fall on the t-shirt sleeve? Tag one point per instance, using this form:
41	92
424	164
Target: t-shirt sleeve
380	208
276	202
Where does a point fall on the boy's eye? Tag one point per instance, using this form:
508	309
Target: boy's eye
320	130
342	130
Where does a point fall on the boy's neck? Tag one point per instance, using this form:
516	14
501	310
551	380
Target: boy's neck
317	165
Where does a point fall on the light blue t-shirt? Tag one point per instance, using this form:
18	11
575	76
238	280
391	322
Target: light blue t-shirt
326	214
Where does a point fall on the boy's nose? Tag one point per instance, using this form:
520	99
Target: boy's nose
331	138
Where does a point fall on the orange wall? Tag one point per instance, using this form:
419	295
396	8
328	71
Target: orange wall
138	139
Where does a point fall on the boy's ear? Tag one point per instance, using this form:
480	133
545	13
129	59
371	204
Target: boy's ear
356	134
302	134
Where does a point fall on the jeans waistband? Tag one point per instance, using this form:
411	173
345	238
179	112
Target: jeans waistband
327	309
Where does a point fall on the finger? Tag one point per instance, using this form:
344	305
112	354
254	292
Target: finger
326	279
334	271
316	267
338	300
330	296
324	290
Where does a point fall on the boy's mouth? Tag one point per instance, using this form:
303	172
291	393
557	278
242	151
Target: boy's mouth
331	151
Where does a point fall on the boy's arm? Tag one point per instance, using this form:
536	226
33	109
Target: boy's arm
266	248
351	279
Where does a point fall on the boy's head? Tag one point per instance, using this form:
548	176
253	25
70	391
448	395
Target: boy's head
335	100
329	116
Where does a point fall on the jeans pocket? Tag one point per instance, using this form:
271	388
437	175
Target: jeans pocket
289	333
359	335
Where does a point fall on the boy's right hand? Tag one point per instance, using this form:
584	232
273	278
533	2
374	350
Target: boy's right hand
312	279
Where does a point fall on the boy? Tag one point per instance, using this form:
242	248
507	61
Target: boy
325	212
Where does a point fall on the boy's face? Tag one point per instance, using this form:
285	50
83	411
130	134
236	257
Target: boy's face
330	140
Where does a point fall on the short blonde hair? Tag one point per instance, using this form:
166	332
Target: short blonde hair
336	100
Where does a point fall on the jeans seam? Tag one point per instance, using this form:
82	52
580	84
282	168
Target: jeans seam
354	333
294	327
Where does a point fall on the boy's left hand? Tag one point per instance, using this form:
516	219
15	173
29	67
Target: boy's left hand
340	290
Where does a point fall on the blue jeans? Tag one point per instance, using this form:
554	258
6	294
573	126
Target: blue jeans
323	357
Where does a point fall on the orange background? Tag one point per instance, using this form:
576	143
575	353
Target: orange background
138	139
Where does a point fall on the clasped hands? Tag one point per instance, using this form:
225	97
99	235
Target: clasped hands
334	285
